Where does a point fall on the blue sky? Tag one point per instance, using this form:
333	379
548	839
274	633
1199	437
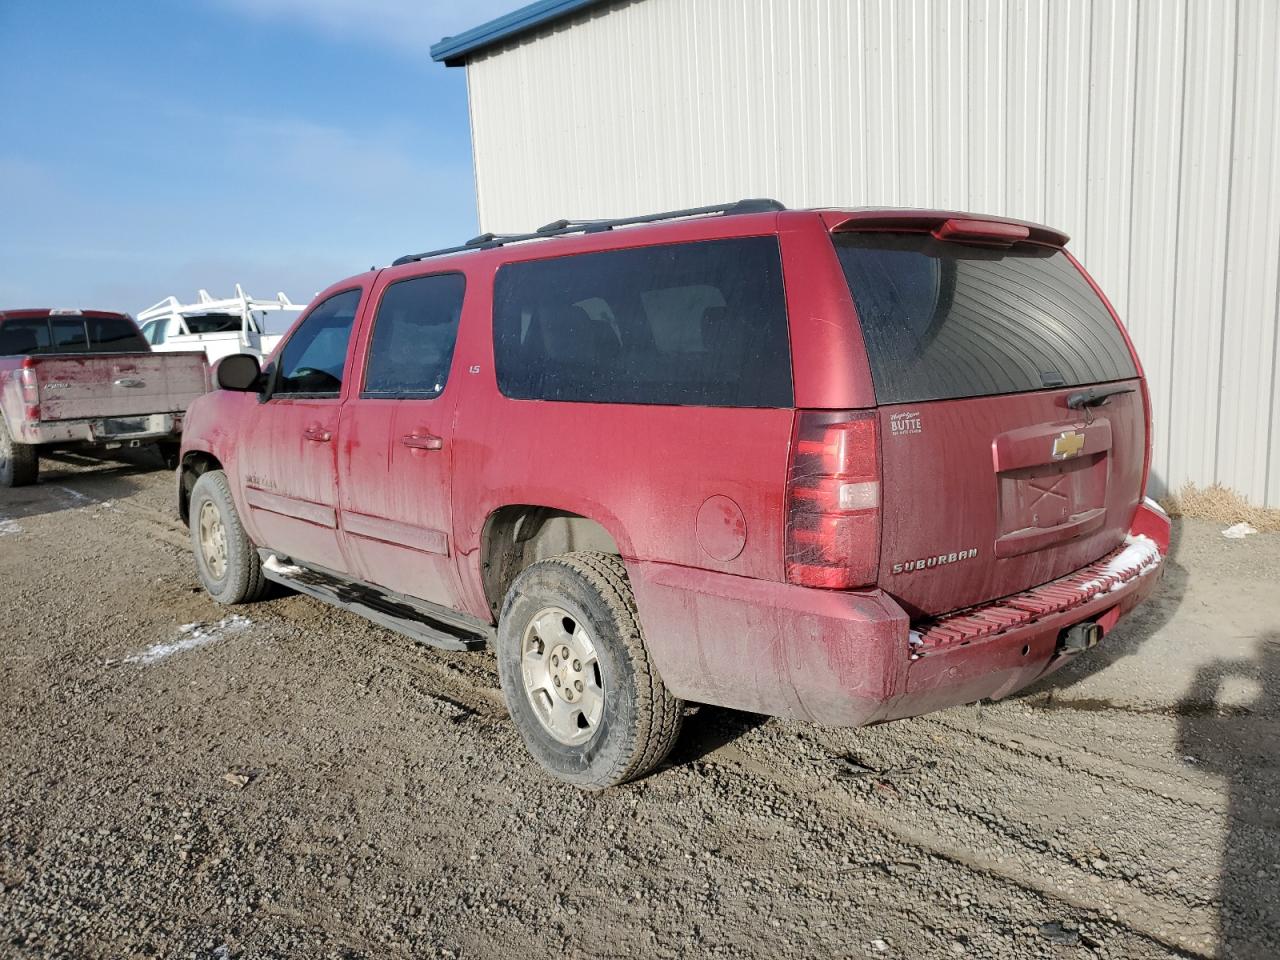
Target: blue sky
152	147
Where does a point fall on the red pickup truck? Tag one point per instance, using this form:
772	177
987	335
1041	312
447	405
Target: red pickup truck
841	465
86	379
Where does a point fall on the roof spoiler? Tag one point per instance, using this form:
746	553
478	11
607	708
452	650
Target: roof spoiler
958	227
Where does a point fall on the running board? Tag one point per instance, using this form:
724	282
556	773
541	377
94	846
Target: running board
419	620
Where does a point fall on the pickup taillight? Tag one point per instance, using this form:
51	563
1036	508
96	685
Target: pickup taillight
833	500
29	384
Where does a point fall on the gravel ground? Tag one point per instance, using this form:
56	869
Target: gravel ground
285	780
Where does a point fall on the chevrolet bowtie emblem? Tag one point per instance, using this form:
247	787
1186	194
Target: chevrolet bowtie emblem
1067	444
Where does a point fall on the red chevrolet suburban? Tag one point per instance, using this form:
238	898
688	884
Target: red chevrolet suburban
841	465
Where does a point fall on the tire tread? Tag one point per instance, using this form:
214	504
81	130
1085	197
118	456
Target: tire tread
24	459
247	582
659	714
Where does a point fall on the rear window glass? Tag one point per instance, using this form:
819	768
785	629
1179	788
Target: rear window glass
71	334
944	320
700	324
115	335
19	337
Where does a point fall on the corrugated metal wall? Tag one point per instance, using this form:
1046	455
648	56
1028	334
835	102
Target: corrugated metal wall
1148	129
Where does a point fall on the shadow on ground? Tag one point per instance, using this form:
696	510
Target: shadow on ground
1130	634
1239	741
71	480
709	729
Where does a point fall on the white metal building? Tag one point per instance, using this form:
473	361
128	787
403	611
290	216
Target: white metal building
1147	129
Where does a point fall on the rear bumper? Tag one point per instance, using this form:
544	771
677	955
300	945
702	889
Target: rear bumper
846	658
102	430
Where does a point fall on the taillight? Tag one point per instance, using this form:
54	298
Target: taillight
833	500
30	387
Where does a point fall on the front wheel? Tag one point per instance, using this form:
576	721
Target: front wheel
577	677
226	559
19	462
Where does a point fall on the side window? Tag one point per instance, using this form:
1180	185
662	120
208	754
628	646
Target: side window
212	323
413	337
694	324
149	331
313	358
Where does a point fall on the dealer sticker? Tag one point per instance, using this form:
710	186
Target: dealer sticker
903	423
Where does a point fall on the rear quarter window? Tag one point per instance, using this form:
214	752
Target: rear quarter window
944	320
698	324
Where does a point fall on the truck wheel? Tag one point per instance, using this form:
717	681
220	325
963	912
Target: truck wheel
226	558
19	462
576	676
170	453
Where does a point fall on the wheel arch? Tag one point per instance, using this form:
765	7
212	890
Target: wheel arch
193	464
519	534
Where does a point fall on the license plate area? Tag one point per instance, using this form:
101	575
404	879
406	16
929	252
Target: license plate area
1049	492
123	426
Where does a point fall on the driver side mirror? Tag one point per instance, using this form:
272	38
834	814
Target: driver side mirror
240	372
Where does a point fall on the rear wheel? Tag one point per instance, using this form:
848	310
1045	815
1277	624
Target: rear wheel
170	453
19	462
576	675
226	559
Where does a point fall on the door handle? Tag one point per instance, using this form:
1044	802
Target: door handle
129	382
423	441
317	434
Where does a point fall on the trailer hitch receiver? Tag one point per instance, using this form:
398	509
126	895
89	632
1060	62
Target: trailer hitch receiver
1083	636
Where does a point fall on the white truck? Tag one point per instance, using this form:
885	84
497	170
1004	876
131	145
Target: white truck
239	324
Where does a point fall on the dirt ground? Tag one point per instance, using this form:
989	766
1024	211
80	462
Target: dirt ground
287	780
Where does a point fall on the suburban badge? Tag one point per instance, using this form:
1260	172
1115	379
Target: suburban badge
911	566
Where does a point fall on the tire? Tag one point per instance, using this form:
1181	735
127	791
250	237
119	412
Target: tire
627	722
169	453
19	462
232	574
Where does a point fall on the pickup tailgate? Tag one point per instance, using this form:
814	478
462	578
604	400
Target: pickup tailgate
84	386
1012	421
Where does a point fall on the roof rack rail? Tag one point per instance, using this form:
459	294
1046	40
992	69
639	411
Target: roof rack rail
556	228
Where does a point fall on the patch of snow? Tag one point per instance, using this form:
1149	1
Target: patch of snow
284	569
9	527
76	495
1139	551
1238	531
190	636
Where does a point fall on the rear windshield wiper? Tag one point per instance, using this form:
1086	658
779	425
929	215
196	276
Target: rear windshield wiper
1095	396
